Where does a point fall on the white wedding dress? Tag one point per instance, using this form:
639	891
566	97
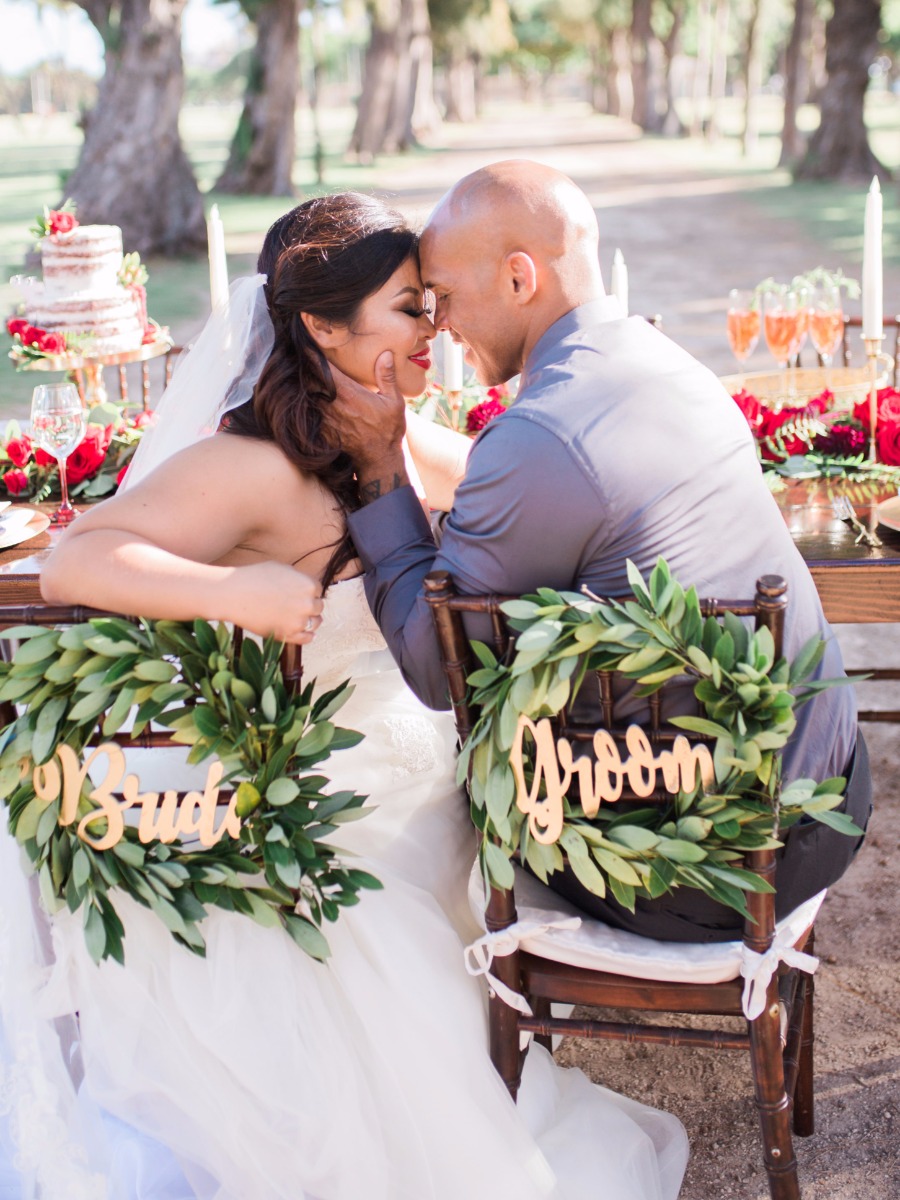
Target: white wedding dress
259	1074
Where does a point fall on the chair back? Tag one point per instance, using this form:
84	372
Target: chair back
49	616
449	610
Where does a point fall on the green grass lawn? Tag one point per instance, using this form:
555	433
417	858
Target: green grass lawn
35	154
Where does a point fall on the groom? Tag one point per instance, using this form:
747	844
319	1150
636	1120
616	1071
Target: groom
619	446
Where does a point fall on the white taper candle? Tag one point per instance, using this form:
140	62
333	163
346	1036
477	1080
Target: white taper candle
872	287
618	282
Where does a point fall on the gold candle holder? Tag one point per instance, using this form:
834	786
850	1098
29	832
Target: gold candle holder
873	349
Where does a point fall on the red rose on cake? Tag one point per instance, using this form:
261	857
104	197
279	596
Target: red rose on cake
87	457
50	343
61	220
15	326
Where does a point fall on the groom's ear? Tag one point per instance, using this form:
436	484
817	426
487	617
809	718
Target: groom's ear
324	333
522	275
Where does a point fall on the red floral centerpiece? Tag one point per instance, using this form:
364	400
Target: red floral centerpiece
832	442
474	406
94	469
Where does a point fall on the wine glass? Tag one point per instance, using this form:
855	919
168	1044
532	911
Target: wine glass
743	323
57	426
781	323
826	321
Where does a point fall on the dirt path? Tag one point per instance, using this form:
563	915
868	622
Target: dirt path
690	230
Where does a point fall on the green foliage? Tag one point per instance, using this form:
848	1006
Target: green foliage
224	704
746	699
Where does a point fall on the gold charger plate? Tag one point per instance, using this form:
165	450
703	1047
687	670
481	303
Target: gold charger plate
777	389
16	531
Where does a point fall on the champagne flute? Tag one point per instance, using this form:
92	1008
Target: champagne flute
826	322
57	426
782	326
743	324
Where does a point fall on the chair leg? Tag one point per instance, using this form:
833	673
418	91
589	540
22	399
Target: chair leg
772	1102
541	1008
503	1024
804	1113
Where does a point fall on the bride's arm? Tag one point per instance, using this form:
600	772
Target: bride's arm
440	455
155	551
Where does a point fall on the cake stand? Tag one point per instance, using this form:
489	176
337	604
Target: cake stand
88	368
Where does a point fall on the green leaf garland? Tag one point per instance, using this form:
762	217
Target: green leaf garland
224	703
747	701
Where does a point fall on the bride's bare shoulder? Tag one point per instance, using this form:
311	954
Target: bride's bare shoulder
248	464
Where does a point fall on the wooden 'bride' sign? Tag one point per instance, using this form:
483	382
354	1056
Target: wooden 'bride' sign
599	778
162	818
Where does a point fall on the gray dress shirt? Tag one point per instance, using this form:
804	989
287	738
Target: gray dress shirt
620	445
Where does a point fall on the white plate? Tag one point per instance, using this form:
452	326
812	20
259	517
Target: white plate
19	524
14	520
888	513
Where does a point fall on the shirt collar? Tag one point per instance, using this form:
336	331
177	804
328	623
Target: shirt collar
595	312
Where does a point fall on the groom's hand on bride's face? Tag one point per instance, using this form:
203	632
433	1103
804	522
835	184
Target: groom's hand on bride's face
370	427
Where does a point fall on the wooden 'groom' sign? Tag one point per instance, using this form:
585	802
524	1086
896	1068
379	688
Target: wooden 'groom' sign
599	778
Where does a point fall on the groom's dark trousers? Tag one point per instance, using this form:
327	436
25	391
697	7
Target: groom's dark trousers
621	446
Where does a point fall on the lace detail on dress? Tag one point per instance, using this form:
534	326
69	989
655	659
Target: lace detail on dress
348	630
416	744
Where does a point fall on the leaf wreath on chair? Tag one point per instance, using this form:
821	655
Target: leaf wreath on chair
268	857
696	840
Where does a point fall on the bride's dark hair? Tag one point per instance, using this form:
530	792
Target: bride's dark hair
324	257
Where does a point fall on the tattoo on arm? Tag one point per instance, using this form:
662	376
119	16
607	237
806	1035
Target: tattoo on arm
374	488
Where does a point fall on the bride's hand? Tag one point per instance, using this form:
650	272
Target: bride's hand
273	598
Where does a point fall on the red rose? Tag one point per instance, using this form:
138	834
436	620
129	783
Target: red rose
122	473
15	482
31	336
751	408
87	457
887	407
887	438
61	222
482	414
43	459
500	392
15	325
19	450
51	343
142	418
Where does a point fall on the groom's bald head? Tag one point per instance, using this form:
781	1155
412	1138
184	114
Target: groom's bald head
509	250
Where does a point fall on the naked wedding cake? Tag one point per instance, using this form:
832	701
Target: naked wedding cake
82	295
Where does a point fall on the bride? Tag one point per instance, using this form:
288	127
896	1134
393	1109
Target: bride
257	1073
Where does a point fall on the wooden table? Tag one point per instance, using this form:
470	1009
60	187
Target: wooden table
858	584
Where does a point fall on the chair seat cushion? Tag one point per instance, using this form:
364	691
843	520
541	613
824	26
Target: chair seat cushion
599	947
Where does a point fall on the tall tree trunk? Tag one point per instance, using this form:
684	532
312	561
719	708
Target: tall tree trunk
621	90
839	149
700	90
752	79
671	123
643	75
719	74
795	83
396	103
261	158
132	170
460	73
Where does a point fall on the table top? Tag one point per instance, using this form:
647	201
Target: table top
857	583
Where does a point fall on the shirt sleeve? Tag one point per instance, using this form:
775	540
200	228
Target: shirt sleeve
521	519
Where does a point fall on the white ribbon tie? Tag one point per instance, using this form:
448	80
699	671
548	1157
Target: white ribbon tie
758	969
479	957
